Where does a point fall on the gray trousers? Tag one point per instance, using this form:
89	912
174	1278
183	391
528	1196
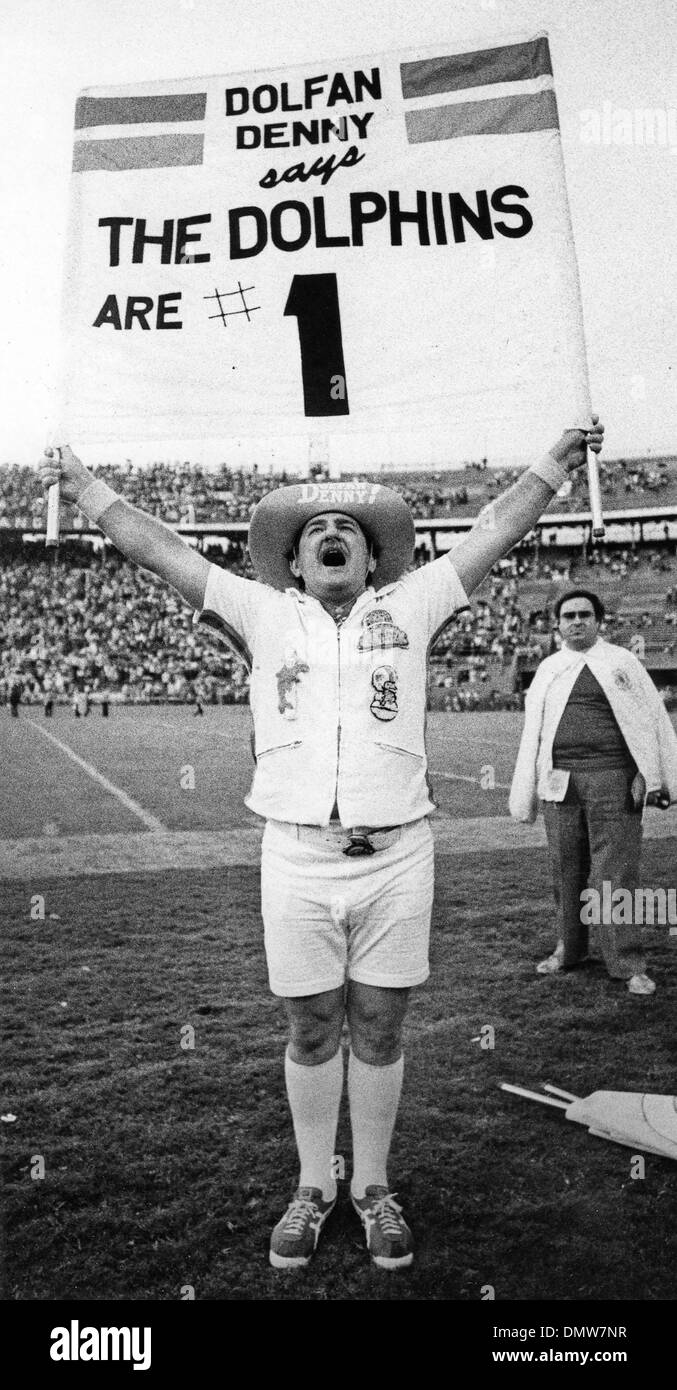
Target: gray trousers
595	834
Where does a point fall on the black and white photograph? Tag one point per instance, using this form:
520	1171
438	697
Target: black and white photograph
338	670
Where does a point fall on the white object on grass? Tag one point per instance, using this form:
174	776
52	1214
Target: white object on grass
638	1120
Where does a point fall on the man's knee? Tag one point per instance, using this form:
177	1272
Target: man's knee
315	1024
375	1019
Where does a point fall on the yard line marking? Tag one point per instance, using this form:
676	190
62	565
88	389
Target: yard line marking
459	777
150	822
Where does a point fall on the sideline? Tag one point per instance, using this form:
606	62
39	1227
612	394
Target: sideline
72	856
435	772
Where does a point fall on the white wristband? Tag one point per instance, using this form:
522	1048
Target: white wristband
96	499
550	472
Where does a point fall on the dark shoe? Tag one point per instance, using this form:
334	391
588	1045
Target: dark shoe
389	1240
294	1240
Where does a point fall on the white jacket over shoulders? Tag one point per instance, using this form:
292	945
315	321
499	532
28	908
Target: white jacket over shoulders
637	707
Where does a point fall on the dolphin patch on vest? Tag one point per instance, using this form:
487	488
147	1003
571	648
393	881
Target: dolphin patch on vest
384	704
288	678
380	632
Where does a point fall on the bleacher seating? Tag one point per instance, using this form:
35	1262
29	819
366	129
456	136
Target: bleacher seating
95	623
184	491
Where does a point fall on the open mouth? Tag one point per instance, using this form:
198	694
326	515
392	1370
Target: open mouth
333	556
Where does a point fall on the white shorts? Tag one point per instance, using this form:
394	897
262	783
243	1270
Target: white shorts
328	916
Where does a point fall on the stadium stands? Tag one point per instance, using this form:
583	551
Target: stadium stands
93	623
90	623
177	491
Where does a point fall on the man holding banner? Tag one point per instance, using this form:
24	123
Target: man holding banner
337	632
382	246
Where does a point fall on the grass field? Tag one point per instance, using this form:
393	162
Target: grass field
165	1167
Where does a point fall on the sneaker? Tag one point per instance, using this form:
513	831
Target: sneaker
389	1240
294	1240
552	964
641	984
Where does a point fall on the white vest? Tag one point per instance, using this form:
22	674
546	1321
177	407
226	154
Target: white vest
339	712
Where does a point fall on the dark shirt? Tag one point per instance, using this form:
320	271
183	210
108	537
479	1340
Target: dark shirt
588	734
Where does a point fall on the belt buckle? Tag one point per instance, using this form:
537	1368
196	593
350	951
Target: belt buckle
359	844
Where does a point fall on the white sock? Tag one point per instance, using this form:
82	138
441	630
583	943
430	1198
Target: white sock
314	1097
374	1095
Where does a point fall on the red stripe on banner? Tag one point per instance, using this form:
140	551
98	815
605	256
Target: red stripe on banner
139	152
182	106
500	116
516	62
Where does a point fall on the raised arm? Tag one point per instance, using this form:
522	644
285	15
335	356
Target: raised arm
142	538
507	520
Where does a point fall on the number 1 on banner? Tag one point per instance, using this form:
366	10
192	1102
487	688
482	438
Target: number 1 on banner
313	301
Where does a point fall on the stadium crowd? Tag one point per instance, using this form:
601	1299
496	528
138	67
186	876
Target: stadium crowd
91	624
91	628
175	492
94	625
185	492
509	627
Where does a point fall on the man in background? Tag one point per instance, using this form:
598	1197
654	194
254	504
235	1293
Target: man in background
15	693
597	742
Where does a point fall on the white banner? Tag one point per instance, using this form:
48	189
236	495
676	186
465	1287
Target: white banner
377	250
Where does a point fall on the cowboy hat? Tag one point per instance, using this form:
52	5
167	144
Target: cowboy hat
281	515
